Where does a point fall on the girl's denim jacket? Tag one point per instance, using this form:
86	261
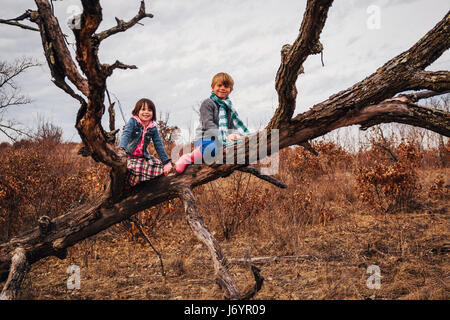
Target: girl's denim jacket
132	135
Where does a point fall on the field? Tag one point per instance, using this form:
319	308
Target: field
341	213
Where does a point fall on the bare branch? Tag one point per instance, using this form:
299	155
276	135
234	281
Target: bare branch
414	97
122	25
9	71
259	175
112	113
26	15
402	110
58	56
223	275
117	65
6	133
12	128
263	260
433	80
393	77
307	43
142	231
13	100
89	116
430	47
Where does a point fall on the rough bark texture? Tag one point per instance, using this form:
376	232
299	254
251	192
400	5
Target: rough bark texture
19	267
368	102
307	43
223	275
58	56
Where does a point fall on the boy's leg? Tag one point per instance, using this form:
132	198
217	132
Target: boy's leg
209	151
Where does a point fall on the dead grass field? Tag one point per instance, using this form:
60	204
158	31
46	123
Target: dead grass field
411	249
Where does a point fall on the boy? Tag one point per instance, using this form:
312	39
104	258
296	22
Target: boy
219	122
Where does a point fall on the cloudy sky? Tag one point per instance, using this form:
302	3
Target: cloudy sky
187	42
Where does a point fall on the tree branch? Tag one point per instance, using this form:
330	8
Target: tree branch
141	230
9	72
430	47
263	260
89	116
433	80
224	277
259	175
393	77
414	97
13	22
117	65
307	43
123	26
402	110
55	48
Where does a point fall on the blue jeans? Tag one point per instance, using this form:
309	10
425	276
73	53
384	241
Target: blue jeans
208	145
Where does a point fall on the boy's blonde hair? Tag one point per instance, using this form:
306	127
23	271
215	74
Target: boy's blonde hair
224	78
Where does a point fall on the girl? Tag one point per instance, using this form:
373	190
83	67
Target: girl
219	122
136	136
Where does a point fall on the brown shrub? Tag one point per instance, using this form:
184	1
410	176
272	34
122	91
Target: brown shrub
42	177
391	185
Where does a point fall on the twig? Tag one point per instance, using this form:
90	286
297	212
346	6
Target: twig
414	97
262	260
112	114
17	24
139	226
258	174
122	25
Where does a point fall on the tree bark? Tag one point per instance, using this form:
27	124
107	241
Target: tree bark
223	276
19	268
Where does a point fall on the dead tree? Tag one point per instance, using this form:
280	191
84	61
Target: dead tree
372	101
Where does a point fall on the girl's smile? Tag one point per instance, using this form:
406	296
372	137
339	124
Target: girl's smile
145	114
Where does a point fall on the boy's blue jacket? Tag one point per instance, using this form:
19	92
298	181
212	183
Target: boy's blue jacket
132	135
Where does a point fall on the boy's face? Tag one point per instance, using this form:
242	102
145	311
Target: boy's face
220	90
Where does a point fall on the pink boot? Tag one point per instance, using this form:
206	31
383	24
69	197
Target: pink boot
187	158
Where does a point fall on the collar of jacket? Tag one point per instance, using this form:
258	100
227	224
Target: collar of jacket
150	125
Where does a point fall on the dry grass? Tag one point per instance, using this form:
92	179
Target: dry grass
409	248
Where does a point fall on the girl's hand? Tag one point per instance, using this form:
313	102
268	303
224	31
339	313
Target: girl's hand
232	137
122	153
167	168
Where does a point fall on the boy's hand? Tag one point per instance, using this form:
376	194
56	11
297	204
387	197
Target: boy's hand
232	137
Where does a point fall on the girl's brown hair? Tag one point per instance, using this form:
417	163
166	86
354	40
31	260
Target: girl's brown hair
141	104
224	78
